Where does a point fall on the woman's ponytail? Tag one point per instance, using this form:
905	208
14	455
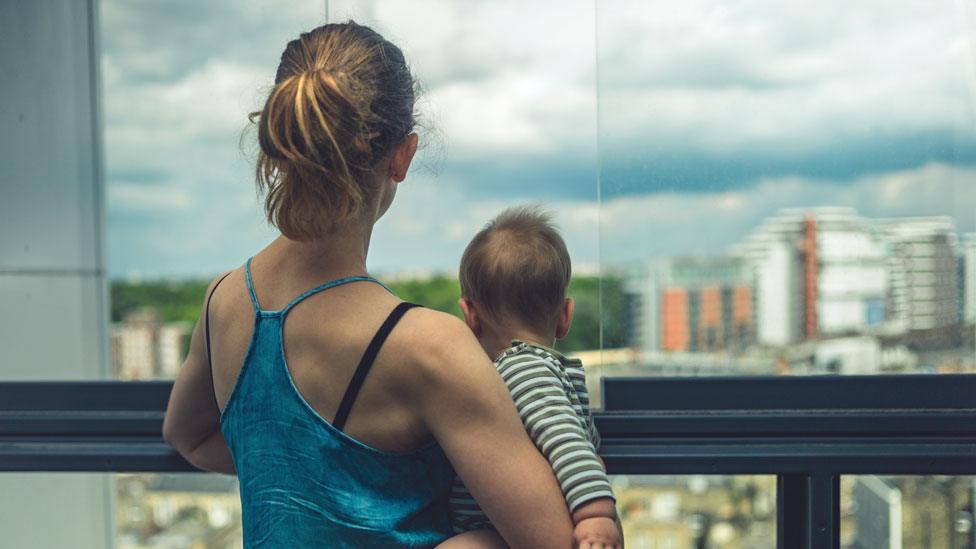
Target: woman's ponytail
343	97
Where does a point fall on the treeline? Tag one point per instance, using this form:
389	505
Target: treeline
181	301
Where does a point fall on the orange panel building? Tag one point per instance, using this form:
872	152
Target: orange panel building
674	320
705	305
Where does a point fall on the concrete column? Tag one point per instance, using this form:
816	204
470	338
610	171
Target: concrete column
53	317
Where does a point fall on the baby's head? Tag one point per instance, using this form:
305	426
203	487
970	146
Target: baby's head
514	275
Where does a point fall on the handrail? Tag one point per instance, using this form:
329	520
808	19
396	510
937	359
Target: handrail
807	430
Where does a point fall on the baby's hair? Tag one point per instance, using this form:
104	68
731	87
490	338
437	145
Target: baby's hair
517	267
343	98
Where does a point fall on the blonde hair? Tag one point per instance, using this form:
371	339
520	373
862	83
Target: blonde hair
518	266
343	98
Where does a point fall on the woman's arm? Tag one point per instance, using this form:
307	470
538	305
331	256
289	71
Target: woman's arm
466	406
192	423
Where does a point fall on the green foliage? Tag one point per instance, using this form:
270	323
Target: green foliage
181	301
440	293
174	300
616	317
584	334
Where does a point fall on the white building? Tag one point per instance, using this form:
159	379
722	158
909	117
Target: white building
144	348
879	513
923	271
172	339
133	352
851	274
968	285
818	273
772	252
859	355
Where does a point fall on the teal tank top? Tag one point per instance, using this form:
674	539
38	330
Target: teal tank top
303	481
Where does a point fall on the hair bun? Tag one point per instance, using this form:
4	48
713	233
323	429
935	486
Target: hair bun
343	98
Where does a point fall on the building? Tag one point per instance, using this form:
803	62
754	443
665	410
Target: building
145	348
693	305
967	275
922	267
818	273
856	355
172	344
849	275
162	510
913	511
697	511
878	521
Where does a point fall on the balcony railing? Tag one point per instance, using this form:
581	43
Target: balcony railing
806	430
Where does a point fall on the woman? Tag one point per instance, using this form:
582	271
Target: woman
275	388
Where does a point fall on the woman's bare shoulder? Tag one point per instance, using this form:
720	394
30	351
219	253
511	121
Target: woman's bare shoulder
432	328
439	347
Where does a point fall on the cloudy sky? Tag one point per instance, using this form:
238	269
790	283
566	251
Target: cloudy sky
650	128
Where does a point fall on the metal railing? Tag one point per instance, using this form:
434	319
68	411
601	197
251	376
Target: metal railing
806	430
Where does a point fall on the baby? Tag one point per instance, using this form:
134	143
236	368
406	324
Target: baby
514	276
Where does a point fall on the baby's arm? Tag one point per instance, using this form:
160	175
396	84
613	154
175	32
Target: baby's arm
554	427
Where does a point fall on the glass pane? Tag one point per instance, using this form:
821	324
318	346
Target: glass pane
892	512
787	189
507	116
178	82
679	512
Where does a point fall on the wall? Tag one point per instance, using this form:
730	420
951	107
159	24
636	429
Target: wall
52	282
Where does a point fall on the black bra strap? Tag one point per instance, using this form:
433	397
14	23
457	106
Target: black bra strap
366	363
207	320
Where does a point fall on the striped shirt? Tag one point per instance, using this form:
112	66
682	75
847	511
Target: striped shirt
550	395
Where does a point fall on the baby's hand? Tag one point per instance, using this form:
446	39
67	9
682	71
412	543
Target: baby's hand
598	533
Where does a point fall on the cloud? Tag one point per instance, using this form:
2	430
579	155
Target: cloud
201	239
159	42
701	95
632	229
812	70
432	220
130	197
710	118
636	228
501	77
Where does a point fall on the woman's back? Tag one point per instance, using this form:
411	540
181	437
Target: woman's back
305	481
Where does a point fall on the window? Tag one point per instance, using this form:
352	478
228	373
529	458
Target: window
697	511
507	115
745	188
805	170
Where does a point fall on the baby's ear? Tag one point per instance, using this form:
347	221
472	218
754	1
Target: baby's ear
470	315
565	318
